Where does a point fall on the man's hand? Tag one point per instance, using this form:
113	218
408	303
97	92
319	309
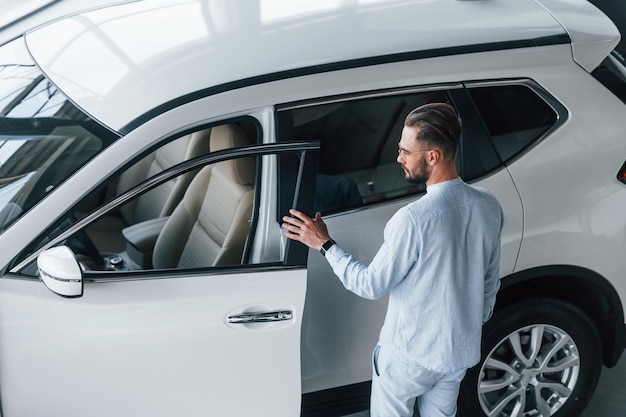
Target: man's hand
300	227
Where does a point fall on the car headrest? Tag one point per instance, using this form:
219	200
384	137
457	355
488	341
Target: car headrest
241	170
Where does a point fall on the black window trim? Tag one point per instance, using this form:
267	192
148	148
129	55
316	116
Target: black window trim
473	125
387	92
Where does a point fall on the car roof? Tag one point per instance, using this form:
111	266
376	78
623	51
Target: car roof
123	63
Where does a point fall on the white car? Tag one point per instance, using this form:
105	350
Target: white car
148	151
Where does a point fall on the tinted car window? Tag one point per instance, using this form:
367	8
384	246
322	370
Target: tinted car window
514	115
358	147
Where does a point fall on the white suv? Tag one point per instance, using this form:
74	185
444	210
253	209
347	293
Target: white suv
148	151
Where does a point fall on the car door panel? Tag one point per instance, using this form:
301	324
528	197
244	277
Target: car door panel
157	347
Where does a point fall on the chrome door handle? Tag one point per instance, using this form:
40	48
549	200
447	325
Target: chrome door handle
261	317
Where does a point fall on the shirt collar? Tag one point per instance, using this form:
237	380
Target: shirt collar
440	186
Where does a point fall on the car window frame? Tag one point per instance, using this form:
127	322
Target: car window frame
291	257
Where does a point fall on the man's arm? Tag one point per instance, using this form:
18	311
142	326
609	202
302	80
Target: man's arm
387	269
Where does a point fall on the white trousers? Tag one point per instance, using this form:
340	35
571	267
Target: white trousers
396	387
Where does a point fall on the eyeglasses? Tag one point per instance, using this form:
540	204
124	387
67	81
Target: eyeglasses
404	153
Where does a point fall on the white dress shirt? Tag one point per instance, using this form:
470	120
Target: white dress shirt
440	263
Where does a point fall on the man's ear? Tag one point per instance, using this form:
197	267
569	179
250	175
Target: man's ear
434	156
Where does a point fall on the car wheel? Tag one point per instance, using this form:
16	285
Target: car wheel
539	358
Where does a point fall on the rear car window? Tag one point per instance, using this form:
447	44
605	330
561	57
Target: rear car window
514	115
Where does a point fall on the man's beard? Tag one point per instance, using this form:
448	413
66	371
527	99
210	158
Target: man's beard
422	174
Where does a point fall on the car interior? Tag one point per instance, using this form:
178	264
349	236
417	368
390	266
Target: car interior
199	219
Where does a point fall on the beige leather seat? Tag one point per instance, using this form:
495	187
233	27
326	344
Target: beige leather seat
210	225
158	202
162	200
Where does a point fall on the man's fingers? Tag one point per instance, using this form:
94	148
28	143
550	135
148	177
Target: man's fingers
300	215
291	228
295	212
298	219
292	221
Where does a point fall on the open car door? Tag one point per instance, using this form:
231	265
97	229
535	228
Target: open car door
190	342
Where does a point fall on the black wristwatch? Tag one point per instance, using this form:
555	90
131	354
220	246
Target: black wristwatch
327	245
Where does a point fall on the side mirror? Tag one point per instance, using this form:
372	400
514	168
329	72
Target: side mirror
60	271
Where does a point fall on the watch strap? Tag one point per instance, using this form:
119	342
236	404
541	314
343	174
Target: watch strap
326	245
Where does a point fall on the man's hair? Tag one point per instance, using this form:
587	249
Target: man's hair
438	126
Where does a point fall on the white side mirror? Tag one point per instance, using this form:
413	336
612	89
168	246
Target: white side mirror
60	271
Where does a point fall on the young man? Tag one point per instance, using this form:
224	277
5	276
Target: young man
440	264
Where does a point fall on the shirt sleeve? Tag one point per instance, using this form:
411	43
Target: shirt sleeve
390	265
492	278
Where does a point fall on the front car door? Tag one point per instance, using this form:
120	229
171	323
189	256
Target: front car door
142	337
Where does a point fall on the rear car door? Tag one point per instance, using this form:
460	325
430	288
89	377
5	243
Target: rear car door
360	185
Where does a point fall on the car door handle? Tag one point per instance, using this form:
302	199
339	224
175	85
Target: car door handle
261	317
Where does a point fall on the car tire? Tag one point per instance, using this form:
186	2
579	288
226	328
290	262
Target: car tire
540	357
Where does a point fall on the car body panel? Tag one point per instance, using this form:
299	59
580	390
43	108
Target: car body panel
592	36
152	347
561	236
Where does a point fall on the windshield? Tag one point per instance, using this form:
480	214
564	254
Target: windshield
44	138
